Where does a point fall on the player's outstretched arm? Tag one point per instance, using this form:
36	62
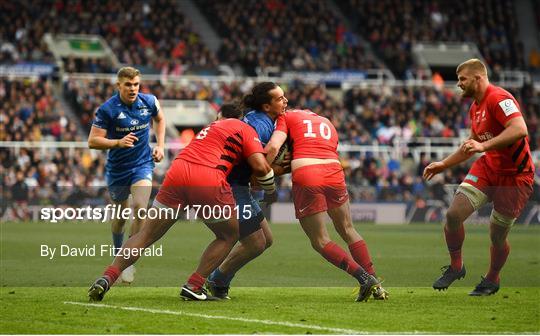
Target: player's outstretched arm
159	128
272	148
98	140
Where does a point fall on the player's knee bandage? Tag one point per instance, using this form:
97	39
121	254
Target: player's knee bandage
501	220
475	196
267	181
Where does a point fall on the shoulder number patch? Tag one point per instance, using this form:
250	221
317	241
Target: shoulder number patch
508	106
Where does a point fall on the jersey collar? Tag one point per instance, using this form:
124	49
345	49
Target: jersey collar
119	101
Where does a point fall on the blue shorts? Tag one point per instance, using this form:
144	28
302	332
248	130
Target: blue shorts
120	182
249	211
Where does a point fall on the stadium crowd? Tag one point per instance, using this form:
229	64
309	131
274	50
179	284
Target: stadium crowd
152	34
392	27
285	35
31	112
271	35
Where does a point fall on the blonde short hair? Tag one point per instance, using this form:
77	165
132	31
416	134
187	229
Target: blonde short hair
474	65
127	72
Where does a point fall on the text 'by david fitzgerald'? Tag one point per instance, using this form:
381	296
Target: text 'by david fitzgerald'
103	250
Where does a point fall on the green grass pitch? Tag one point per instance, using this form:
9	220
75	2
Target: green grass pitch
288	290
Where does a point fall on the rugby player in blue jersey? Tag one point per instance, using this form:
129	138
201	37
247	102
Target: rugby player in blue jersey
122	126
265	103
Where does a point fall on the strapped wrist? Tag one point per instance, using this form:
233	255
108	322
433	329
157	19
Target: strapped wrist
267	181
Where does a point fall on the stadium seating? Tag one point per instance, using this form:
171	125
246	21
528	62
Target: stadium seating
284	35
31	112
152	34
393	26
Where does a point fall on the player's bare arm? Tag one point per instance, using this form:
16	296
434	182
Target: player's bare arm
515	129
159	129
259	165
98	140
453	159
272	148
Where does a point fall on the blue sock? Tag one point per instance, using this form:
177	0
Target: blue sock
117	238
220	279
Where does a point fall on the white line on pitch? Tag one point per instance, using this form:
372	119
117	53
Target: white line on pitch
218	317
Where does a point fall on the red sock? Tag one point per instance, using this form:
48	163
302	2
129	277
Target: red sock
360	254
196	281
338	257
112	272
454	241
498	258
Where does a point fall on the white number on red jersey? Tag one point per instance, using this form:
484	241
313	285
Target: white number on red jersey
203	133
324	130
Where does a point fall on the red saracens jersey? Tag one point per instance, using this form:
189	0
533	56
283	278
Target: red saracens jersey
311	135
488	119
222	144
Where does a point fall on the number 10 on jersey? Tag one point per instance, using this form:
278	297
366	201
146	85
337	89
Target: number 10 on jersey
324	130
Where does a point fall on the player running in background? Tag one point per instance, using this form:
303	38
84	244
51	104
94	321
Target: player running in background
265	103
198	177
504	175
122	126
319	188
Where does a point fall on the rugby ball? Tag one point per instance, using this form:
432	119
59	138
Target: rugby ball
283	150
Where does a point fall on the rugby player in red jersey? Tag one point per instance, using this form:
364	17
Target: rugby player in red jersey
504	175
198	177
319	188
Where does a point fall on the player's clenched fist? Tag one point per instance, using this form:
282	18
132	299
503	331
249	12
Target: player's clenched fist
127	141
157	154
433	169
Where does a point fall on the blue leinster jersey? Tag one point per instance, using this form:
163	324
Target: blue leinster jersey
264	126
119	120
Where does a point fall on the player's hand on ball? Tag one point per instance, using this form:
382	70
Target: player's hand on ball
127	141
433	169
158	154
286	163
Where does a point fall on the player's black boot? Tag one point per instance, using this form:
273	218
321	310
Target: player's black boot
448	277
188	293
485	288
221	292
368	285
98	289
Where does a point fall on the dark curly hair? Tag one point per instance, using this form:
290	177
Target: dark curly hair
231	110
259	96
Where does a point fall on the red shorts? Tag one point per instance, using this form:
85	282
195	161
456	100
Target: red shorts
509	193
188	183
317	188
